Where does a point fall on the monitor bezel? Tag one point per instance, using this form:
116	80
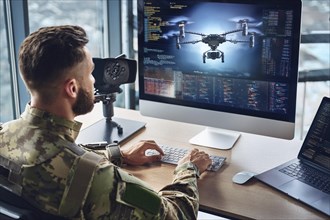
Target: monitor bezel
163	107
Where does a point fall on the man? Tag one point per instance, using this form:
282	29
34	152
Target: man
45	165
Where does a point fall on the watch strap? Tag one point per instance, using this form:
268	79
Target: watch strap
114	154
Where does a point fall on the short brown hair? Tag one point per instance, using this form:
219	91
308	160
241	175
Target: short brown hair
47	52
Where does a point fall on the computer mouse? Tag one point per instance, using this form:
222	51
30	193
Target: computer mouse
242	177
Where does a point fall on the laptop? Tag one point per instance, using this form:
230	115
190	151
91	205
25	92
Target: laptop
302	178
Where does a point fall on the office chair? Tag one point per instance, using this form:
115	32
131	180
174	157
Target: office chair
13	206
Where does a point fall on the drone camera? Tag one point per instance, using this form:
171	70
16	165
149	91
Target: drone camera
110	73
213	55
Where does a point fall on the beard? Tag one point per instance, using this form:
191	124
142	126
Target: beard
84	103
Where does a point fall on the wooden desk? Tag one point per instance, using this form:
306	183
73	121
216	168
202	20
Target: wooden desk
218	194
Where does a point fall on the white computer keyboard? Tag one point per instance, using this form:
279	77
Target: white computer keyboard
174	154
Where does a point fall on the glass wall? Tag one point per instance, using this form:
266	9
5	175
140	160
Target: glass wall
6	96
314	62
87	14
91	15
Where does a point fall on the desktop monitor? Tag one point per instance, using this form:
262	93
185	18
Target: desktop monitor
222	64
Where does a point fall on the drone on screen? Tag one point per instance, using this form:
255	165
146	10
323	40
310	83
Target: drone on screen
214	40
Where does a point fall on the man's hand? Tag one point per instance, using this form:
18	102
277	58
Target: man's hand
136	154
199	158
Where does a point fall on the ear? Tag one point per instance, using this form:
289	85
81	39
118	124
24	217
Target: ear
71	88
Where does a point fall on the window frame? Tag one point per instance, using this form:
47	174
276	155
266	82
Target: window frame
16	20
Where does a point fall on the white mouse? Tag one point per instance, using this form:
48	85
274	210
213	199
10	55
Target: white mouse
242	177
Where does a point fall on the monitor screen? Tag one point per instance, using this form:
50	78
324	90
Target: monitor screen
219	63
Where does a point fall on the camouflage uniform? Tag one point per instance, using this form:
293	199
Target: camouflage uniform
39	143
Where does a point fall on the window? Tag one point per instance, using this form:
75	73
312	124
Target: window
87	14
91	15
6	97
314	65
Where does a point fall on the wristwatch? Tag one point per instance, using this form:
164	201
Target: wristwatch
114	154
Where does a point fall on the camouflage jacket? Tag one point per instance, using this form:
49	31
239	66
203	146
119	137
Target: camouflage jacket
38	143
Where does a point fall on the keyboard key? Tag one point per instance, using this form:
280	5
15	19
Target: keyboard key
174	154
308	175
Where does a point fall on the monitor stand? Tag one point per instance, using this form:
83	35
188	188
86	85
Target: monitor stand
115	130
216	138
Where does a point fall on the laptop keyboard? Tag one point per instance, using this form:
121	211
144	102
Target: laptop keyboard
174	154
309	176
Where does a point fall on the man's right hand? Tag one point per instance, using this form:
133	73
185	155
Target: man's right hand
199	158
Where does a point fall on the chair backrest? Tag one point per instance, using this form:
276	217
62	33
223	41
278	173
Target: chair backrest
13	206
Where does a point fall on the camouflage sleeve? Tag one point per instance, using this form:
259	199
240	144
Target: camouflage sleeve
115	194
181	199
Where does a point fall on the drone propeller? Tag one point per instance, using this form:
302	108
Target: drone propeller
239	19
179	20
255	24
254	31
169	34
245	19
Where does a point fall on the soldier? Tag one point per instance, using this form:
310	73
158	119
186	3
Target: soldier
46	167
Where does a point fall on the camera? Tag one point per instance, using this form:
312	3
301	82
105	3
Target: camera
213	55
110	73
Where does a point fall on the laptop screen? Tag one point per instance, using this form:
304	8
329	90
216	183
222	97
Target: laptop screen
316	147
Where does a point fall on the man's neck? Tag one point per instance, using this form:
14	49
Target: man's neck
58	107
